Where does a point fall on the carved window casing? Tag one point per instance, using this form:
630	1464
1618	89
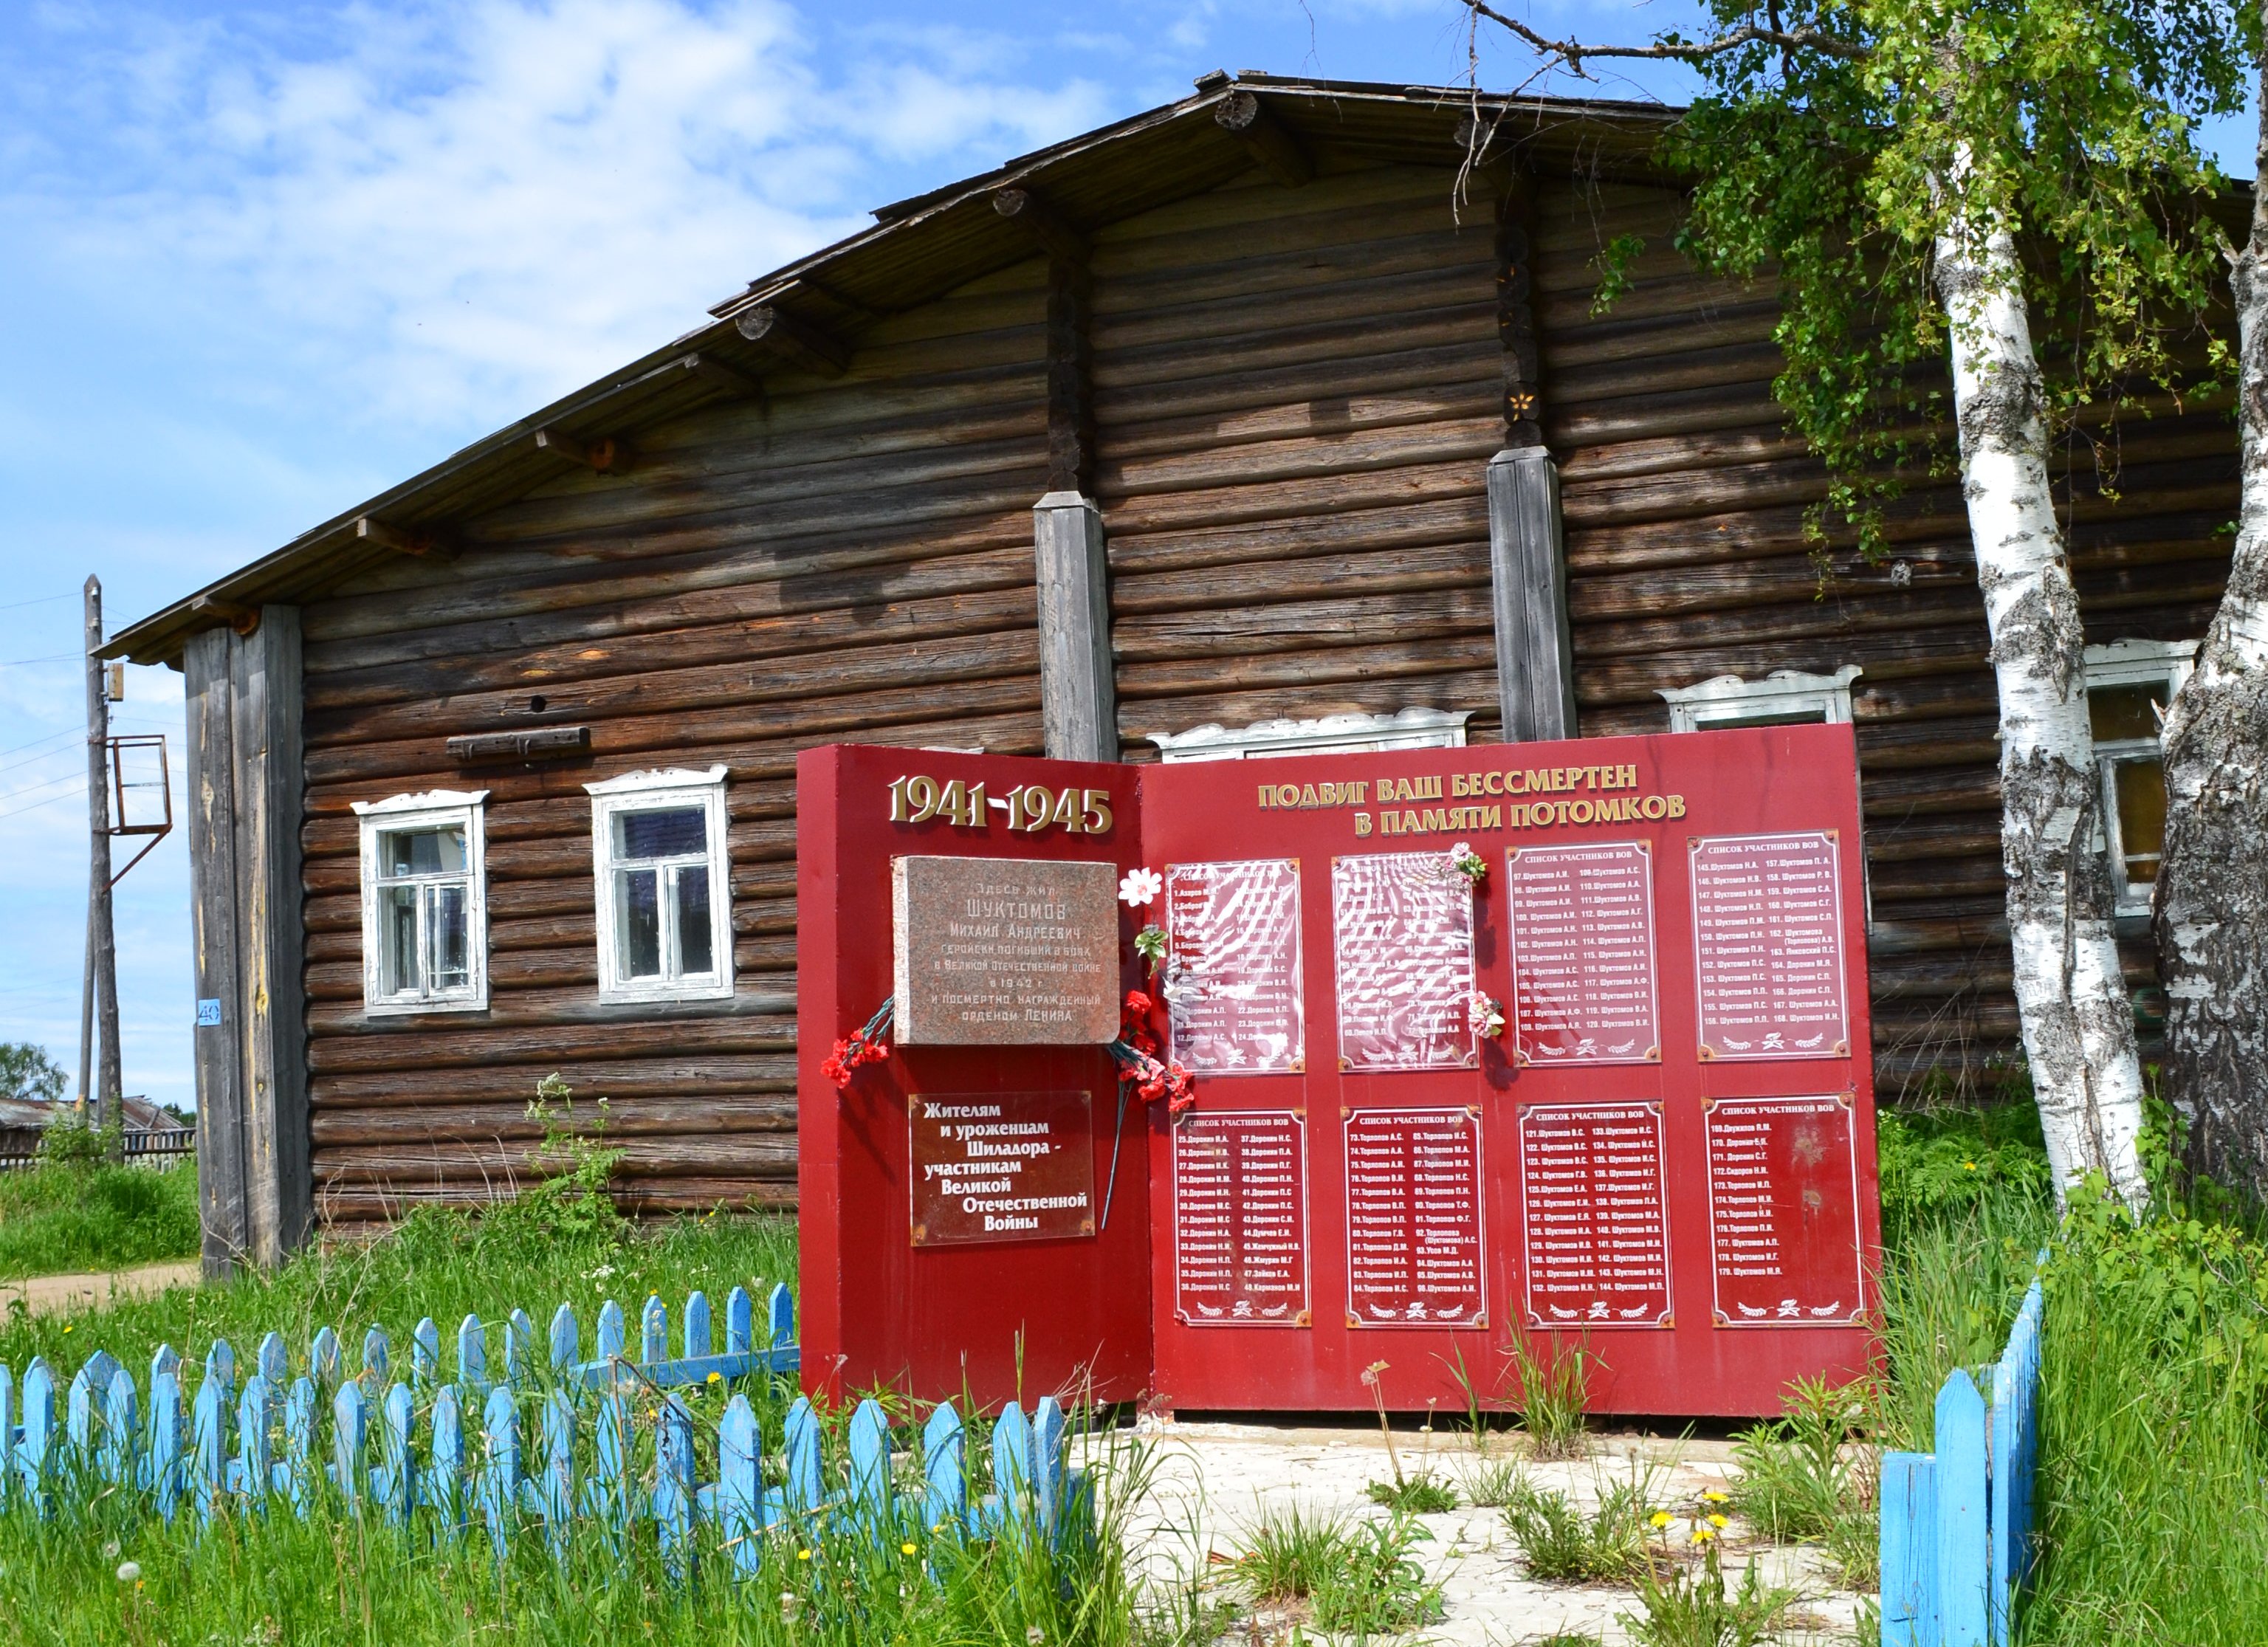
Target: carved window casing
1333	735
663	887
425	903
1783	698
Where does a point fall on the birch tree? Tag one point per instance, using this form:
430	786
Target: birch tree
1924	177
2212	897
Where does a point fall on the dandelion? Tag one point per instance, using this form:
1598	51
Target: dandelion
68	1328
1720	1523
790	1604
110	1550
1702	1535
716	1378
1713	1496
1036	1635
906	1549
1659	1519
129	1572
803	1555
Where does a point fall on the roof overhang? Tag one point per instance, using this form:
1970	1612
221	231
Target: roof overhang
916	250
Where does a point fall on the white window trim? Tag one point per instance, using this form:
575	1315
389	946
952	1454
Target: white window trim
1729	700
2131	663
1333	735
646	792
431	809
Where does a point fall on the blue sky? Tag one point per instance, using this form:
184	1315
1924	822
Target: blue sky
261	261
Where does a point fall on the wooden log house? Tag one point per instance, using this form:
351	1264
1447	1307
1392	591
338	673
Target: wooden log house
1262	412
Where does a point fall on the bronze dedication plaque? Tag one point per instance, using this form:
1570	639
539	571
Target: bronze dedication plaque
1002	1166
1004	951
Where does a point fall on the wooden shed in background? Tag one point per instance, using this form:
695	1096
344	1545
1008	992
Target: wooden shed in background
1257	407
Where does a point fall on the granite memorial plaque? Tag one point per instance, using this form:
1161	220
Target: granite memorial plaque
1004	951
1240	1219
1402	925
1784	1211
1594	1215
1233	988
1414	1243
1002	1166
1582	954
1768	947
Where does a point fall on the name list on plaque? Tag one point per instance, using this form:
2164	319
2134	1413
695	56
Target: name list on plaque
1240	1219
1233	988
999	952
1594	1216
1768	941
1002	1166
1784	1212
1582	954
1402	924
1413	1181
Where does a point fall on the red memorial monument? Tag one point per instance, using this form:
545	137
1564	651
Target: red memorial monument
1561	1040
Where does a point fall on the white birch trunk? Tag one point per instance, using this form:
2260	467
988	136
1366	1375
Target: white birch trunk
2212	899
2078	1022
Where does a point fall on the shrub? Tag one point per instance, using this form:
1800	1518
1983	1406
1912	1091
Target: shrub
1562	1544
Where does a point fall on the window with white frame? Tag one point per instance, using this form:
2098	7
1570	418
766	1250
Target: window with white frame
2129	684
425	903
663	887
1332	735
1783	698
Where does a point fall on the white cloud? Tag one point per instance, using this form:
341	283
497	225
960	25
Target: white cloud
485	203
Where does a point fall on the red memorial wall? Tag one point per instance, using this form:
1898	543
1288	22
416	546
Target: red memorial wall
1665	1154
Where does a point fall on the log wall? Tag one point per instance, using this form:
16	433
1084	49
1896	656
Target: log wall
1295	393
1685	501
846	558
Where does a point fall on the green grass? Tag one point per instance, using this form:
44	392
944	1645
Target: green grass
439	1264
1350	1575
1564	1545
55	1219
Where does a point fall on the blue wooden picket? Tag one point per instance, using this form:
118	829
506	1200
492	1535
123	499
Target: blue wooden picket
390	1442
1956	1524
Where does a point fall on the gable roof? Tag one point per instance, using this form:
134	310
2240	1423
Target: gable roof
916	250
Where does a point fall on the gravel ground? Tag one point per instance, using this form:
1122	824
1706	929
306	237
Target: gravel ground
1215	1480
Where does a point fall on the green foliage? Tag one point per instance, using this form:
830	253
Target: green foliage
1554	1391
88	1215
571	1202
1937	1163
1688	1605
72	1139
1421	1493
1490	1483
1352	1575
2153	1491
1834	166
1809	1477
1562	1544
27	1072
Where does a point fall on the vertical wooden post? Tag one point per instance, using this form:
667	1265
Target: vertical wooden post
269	799
1527	574
102	947
213	915
1078	701
1527	563
246	802
1909	1546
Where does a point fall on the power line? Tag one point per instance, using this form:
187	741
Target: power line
17	810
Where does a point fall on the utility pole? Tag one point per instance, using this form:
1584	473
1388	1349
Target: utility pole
100	1000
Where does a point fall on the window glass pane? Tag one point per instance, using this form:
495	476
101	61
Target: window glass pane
449	942
2126	711
422	851
397	940
1718	721
2140	786
696	950
638	917
675	833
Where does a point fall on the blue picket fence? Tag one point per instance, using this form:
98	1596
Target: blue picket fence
453	1458
1957	1523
